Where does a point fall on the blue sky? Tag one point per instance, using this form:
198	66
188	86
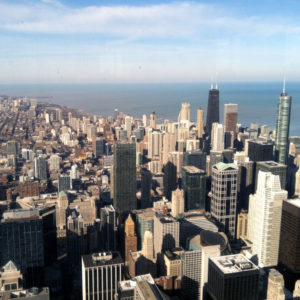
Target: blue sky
149	41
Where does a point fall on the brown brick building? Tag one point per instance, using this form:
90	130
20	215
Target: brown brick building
29	189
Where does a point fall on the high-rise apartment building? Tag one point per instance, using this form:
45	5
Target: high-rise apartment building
289	253
64	183
177	203
54	162
224	196
264	219
194	186
124	177
101	273
212	109
99	146
40	167
200	123
217	137
232	277
230	116
283	127
155	143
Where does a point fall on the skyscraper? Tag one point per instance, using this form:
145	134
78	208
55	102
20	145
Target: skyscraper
224	196
230	116
212	109
217	137
232	277
155	143
177	203
185	112
200	122
124	177
283	127
152	120
264	218
289	253
130	237
194	186
40	167
101	273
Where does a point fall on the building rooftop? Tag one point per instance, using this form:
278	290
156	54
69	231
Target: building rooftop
295	202
193	170
101	259
127	285
224	166
235	263
271	164
34	293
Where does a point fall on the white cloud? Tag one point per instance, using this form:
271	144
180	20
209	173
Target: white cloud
178	19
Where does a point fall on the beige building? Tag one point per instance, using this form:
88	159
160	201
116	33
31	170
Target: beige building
177	203
275	286
242	225
173	262
10	278
200	122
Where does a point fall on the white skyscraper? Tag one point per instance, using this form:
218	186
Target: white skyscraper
217	137
128	125
54	162
145	120
185	112
155	143
264	218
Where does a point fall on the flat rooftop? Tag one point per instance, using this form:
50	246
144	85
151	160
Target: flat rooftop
102	259
235	263
128	285
193	169
271	164
295	202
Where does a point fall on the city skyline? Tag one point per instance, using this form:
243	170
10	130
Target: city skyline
153	41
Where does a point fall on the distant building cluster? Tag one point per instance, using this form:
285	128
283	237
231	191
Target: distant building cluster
122	208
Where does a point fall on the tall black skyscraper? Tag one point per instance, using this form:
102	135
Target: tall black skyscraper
212	109
124	177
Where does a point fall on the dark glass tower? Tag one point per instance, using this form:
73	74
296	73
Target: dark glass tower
212	109
194	186
283	127
124	177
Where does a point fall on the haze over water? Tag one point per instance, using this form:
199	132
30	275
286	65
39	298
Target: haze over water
257	101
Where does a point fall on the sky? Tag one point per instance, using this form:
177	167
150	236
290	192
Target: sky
149	41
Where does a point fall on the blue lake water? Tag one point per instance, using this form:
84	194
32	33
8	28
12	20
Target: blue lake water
257	101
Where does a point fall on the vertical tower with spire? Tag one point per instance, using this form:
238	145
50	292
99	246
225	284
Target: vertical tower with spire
212	109
283	127
130	237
